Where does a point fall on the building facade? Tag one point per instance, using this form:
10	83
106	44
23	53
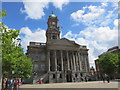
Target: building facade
59	59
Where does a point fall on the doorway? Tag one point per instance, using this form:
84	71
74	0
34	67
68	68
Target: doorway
69	76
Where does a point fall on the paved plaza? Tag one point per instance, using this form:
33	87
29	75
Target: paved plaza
93	84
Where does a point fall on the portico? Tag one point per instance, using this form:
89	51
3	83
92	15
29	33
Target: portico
66	63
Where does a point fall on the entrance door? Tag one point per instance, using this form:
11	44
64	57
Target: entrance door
69	76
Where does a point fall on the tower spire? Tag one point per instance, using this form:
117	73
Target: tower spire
52	12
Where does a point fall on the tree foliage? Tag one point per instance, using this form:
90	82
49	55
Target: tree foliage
118	63
3	14
109	63
13	57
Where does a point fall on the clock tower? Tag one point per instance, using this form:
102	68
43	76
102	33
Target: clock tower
52	32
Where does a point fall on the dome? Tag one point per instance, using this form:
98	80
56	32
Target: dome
53	15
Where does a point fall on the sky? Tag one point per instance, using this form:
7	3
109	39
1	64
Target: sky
94	24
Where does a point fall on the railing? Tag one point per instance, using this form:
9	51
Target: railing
44	78
37	44
83	47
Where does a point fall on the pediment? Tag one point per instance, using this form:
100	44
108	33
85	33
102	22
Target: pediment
66	42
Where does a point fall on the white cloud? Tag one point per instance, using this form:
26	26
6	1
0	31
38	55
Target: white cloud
104	4
60	4
35	9
26	31
77	16
95	15
70	35
29	36
116	22
82	41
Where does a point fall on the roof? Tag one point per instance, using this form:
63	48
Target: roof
113	48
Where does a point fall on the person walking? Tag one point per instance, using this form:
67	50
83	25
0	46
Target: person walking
85	79
108	79
6	84
3	83
40	81
81	79
103	78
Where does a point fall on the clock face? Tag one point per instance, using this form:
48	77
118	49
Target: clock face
53	23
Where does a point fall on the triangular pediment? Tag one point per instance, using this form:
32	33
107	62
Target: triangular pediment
65	41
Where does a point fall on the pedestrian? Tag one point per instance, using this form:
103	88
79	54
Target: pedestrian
85	79
18	83
103	78
6	84
108	78
9	83
22	81
14	84
40	81
19	80
82	79
3	83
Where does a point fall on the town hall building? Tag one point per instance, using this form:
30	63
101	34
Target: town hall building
59	59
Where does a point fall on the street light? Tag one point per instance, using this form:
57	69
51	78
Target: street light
13	72
18	41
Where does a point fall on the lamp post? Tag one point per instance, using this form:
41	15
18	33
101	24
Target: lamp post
13	72
18	41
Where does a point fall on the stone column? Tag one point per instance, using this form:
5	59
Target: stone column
78	61
80	68
71	61
48	61
55	61
61	60
83	60
68	64
74	61
86	62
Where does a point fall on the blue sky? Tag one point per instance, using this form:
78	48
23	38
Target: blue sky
87	23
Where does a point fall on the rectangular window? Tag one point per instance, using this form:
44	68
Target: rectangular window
42	67
36	58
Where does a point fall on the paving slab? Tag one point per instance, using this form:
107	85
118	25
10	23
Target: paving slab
94	84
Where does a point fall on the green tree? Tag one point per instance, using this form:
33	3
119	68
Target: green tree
109	63
3	14
13	57
118	69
